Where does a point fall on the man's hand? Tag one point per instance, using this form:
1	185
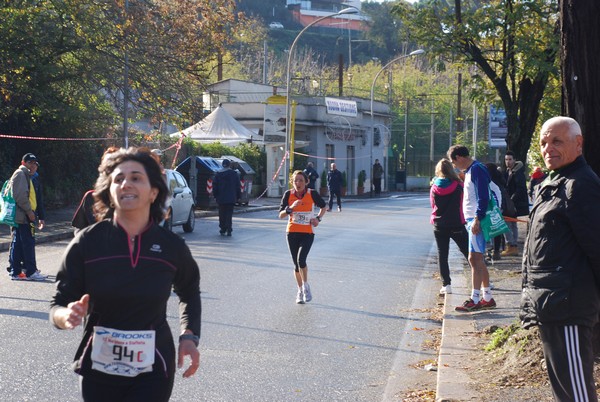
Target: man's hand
476	228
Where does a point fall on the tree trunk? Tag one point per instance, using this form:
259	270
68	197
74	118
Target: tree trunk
580	50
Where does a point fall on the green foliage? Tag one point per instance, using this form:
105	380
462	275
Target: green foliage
344	179
501	336
503	60
510	338
63	69
482	147
324	179
362	176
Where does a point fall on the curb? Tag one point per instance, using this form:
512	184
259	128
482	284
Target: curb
453	381
456	379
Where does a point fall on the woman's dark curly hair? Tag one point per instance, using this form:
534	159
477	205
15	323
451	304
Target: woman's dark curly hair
103	205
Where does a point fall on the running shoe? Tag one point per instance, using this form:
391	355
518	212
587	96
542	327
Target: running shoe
300	297
37	277
487	305
339	209
20	277
468	306
446	290
307	294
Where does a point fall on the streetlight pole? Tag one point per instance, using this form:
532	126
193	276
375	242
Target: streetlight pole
413	53
288	120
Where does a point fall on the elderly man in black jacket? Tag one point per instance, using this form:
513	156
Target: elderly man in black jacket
561	264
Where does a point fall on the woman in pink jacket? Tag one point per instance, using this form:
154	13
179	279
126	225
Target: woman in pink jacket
447	217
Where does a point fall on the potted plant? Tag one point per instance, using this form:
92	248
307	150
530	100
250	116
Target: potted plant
362	176
323	189
344	184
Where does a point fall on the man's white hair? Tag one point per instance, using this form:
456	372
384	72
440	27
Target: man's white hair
574	128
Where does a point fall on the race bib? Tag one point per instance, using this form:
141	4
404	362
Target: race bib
124	353
302	218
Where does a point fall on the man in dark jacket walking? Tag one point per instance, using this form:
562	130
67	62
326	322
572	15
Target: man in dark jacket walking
334	184
514	176
561	264
312	175
227	190
377	175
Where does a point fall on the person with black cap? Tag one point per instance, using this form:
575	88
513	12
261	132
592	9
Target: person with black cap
22	248
227	190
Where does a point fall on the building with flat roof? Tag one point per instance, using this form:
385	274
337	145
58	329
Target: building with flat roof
325	129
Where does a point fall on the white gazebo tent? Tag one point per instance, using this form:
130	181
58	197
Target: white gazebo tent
218	126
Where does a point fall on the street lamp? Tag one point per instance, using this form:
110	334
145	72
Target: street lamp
413	53
288	120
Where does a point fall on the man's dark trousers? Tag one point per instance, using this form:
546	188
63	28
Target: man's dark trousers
225	217
338	195
377	185
22	250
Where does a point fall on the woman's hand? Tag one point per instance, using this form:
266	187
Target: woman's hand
72	316
188	348
314	222
296	203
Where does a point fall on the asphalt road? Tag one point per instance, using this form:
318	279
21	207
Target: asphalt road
358	340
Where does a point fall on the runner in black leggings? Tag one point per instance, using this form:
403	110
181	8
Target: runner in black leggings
298	206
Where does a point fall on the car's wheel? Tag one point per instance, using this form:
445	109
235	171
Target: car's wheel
188	227
168	224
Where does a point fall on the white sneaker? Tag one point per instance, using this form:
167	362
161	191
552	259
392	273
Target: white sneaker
300	297
37	277
307	294
446	290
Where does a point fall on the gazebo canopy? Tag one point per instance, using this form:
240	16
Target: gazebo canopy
217	126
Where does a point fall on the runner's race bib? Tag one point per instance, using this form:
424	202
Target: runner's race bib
124	353
302	218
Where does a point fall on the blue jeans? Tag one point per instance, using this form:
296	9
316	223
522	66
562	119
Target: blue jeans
22	250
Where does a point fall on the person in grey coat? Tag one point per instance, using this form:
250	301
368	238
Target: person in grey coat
22	247
227	191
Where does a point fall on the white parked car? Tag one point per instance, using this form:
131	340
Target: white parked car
181	204
276	25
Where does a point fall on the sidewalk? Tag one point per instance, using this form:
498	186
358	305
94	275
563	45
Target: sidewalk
457	379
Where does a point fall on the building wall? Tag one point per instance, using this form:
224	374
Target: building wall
312	124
